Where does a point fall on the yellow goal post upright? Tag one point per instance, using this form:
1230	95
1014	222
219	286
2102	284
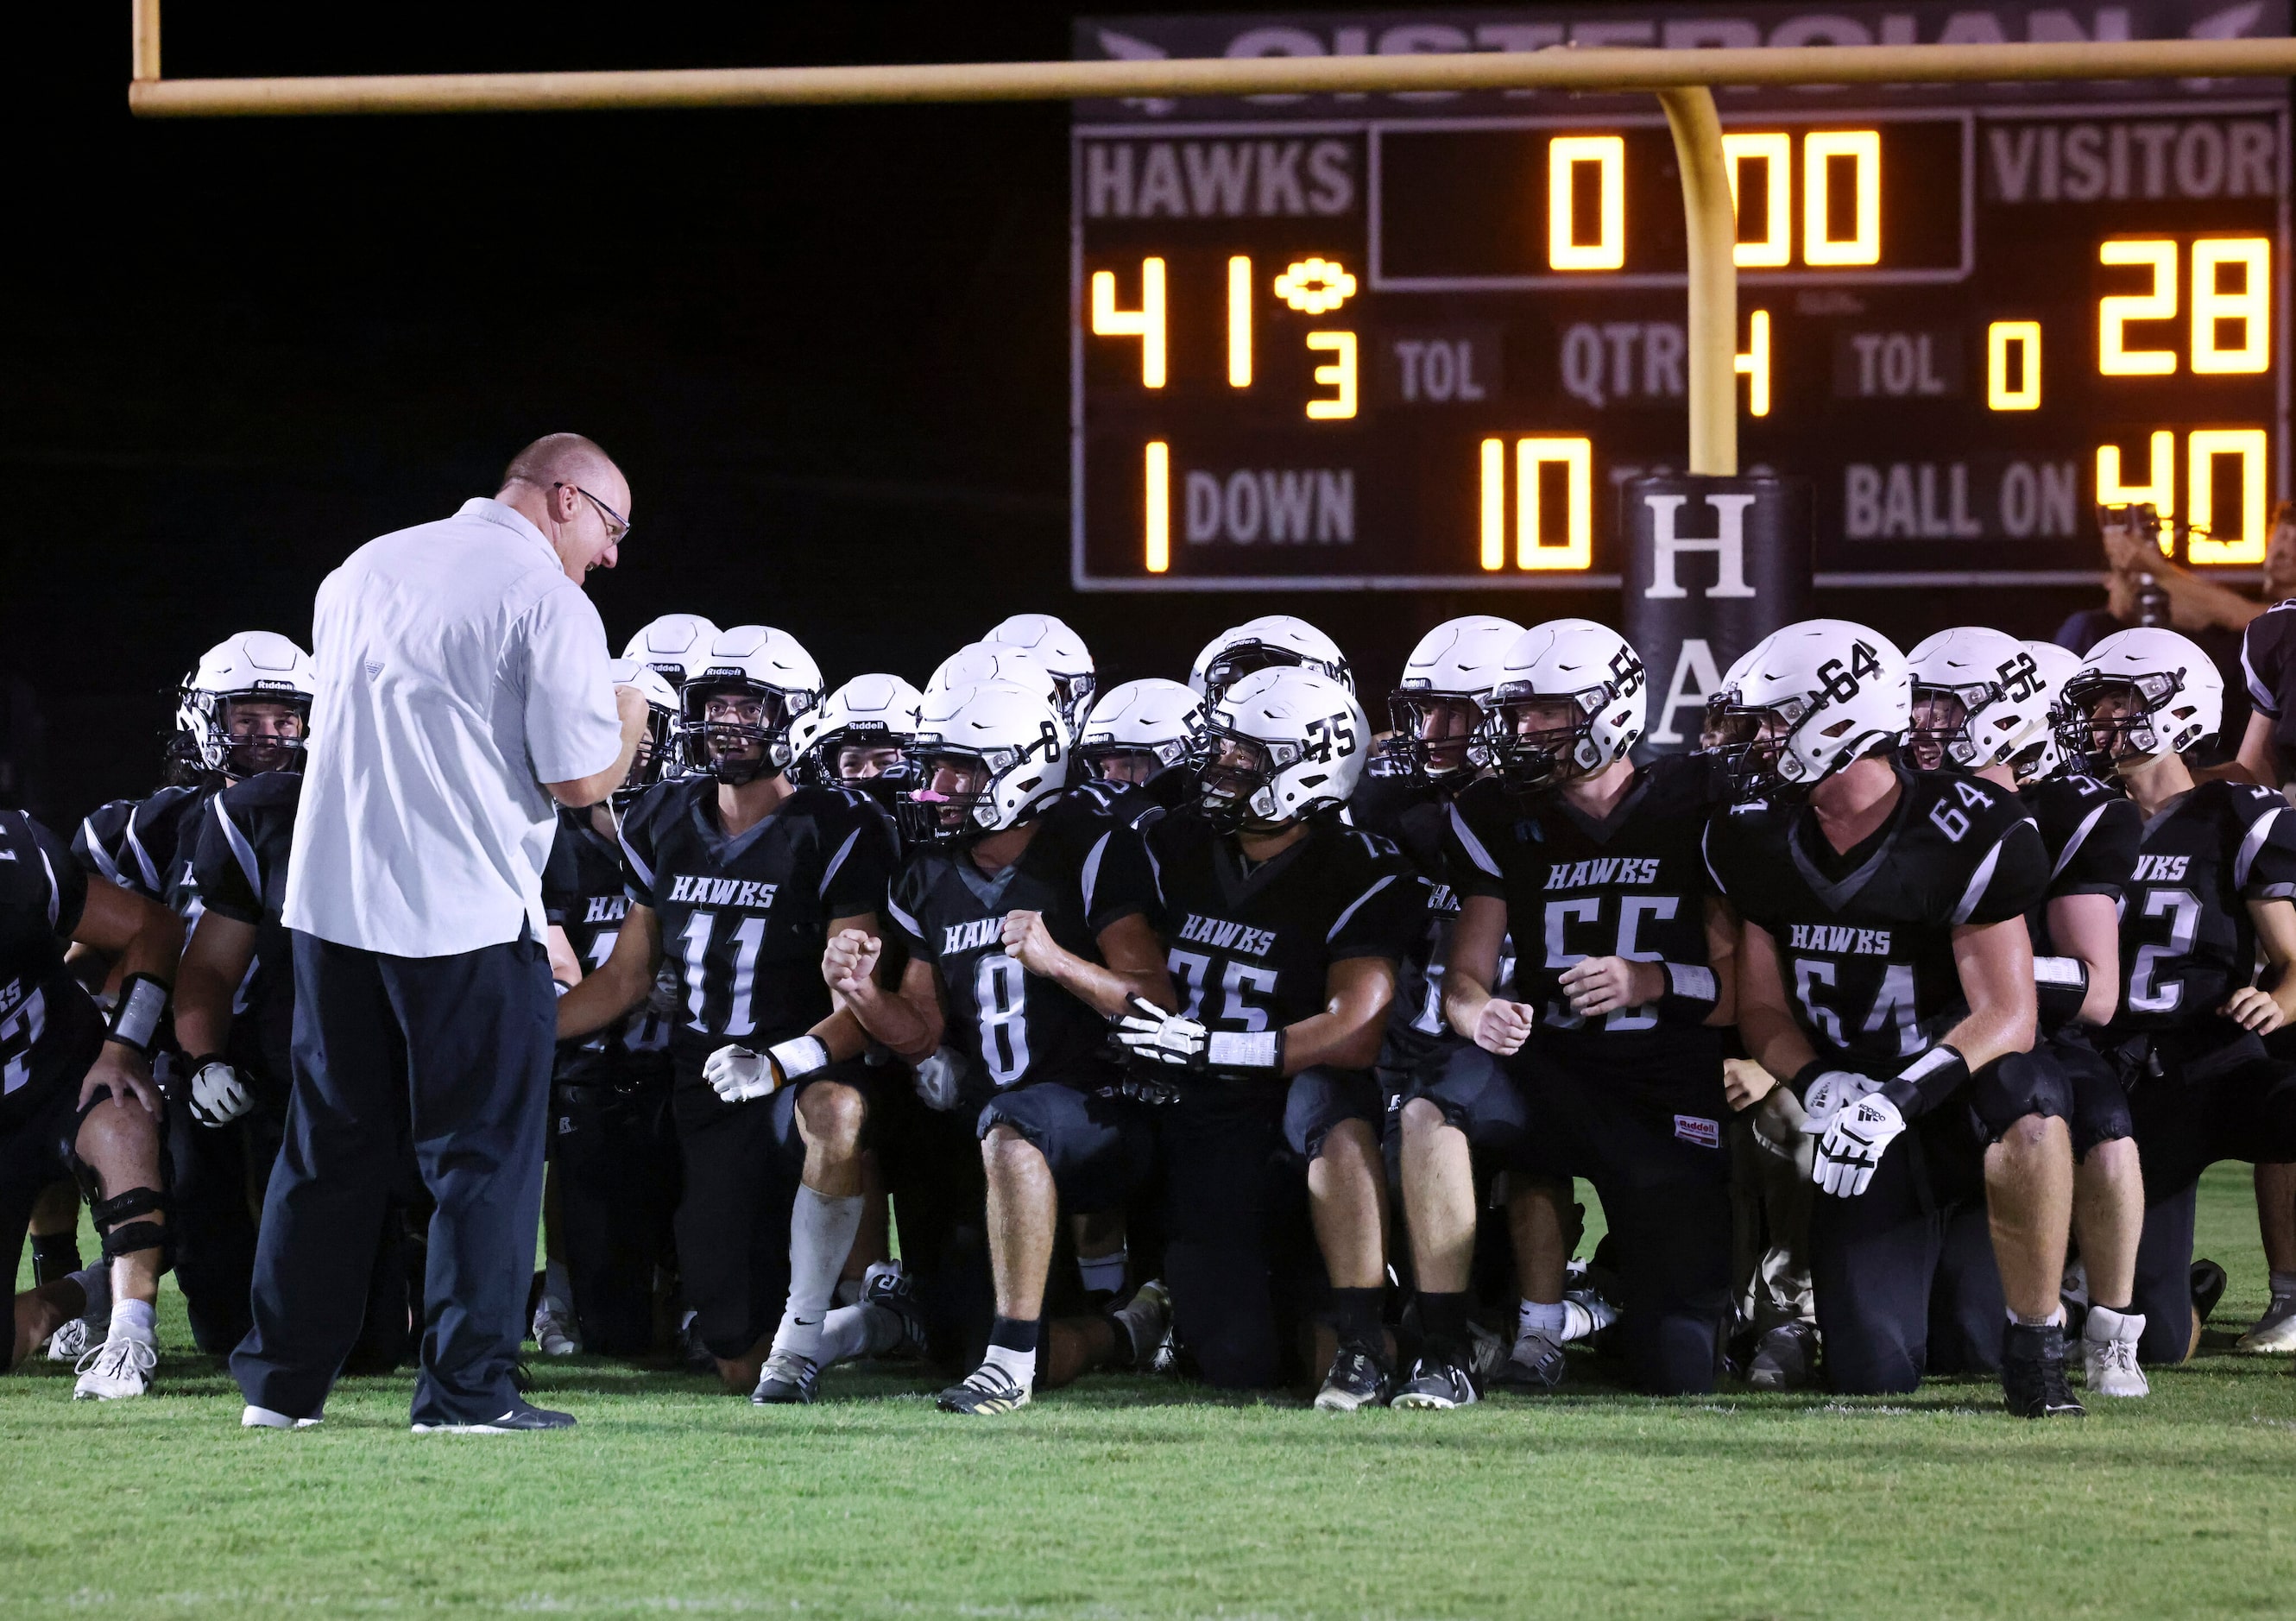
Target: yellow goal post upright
1682	80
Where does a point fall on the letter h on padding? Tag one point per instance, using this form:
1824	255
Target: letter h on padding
1728	544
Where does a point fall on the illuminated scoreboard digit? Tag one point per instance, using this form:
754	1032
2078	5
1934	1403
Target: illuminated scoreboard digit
1417	341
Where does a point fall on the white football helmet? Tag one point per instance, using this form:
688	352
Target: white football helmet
2162	694
1062	653
1271	641
677	644
1812	699
1588	666
655	749
1445	679
259	665
874	711
1285	744
1153	716
977	662
986	757
2049	755
1978	700
747	664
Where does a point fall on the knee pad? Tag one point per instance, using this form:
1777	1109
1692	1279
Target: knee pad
123	1236
2022	1083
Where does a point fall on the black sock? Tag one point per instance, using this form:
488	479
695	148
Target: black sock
1012	1335
1355	1317
1443	1326
54	1254
1124	1354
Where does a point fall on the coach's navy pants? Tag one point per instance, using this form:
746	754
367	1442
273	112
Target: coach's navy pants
446	1059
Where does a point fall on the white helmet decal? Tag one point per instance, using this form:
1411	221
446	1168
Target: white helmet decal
1812	699
1593	668
2002	700
1286	743
1018	743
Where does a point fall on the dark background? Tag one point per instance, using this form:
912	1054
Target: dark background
829	347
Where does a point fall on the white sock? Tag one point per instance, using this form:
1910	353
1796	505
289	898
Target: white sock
856	1331
133	1319
821	1236
557	1287
1020	1366
1534	1317
95	1283
2018	1322
1104	1273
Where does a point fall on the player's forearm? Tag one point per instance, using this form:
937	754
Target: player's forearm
842	1035
202	1008
1346	1035
155	947
1774	1041
1994	1030
1465	997
895	1021
600	1000
1105	990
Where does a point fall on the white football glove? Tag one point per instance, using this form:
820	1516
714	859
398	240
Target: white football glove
1147	1033
739	1076
940	1077
1832	1092
219	1094
1854	1144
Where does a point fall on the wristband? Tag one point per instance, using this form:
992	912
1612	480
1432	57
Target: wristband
1691	993
1254	1053
136	1019
798	1056
1798	1082
1927	1081
2059	986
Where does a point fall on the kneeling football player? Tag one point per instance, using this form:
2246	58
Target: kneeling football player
738	878
1283	926
1985	703
2212	895
1024	910
1612	1056
79	1099
1886	968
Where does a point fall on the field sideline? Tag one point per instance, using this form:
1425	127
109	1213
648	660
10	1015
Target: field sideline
1136	1497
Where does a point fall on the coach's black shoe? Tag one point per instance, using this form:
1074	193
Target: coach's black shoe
521	1417
2033	1383
787	1380
985	1391
1784	1359
1435	1386
1535	1363
1359	1378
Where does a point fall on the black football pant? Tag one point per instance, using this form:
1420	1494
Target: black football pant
1659	1166
1239	1253
444	1058
2237	1104
931	1159
214	1170
615	1153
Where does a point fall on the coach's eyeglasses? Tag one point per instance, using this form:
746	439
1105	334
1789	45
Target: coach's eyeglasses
617	527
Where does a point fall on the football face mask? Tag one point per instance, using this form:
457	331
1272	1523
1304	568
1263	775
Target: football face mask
733	727
263	732
1941	721
2110	720
1237	782
1435	735
1534	741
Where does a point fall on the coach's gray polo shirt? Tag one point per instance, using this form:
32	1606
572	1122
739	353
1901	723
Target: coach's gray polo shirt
459	670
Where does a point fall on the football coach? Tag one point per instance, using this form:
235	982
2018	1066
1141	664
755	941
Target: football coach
463	685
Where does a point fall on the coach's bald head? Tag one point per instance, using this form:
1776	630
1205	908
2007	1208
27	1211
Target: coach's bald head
570	490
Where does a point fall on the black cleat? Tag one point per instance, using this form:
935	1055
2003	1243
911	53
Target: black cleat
2033	1382
1435	1386
1785	1358
987	1391
787	1380
523	1418
1359	1378
886	1285
1535	1364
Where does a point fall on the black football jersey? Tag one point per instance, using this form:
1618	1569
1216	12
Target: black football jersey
49	1027
239	869
1083	872
1252	949
1131	802
2268	664
584	894
744	920
2186	939
1865	937
1414	816
2090	834
1633	885
147	844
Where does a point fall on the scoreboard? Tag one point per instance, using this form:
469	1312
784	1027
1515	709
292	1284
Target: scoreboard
1416	341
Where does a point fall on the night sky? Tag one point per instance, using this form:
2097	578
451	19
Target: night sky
828	346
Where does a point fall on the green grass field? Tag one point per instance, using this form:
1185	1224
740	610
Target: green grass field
1136	1497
